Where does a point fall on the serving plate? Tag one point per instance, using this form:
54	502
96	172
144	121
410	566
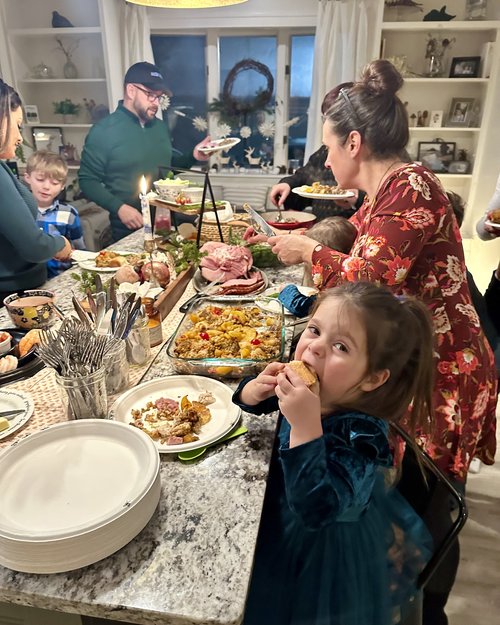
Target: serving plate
290	219
219	144
88	262
199	283
27	366
75	493
16	400
493	224
224	413
322	196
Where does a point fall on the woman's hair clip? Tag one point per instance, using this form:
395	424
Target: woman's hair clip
347	100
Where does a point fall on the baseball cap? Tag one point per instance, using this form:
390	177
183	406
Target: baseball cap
146	74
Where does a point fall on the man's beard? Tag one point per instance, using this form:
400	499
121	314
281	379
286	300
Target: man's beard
142	114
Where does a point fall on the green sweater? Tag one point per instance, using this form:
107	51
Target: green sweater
117	152
24	248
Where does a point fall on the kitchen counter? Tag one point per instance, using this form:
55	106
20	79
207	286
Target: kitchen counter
192	562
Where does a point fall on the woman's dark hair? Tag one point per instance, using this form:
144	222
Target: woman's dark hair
371	107
400	338
9	101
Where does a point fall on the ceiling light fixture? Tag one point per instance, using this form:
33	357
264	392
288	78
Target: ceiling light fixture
186	4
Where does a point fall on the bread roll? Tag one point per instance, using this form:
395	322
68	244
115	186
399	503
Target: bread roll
26	343
306	373
495	216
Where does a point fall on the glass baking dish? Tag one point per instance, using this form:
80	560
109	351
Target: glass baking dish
227	337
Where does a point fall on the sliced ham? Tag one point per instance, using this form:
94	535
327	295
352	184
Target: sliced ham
232	261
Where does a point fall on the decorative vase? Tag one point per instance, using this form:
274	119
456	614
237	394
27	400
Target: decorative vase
69	70
435	66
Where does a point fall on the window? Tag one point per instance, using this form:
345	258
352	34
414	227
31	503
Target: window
182	61
254	68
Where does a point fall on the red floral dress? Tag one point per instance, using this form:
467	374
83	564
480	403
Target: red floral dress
410	241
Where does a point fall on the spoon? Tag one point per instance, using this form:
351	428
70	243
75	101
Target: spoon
196	453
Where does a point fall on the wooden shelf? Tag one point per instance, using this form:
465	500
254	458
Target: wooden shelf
56	125
51	81
449	81
55	32
442	129
471	25
450	177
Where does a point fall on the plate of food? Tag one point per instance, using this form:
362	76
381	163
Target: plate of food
179	412
318	191
268	299
106	261
20	361
11	400
289	219
253	282
219	144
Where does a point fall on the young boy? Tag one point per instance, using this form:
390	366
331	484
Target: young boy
46	174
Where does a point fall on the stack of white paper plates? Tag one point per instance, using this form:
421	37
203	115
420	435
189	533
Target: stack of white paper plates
75	493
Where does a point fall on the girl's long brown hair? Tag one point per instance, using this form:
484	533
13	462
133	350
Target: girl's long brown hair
399	338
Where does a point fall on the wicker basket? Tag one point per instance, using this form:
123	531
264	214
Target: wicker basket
210	231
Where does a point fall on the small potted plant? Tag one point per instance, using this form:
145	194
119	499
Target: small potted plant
68	109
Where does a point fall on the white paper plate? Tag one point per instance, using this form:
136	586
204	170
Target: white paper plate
89	263
220	144
487	222
75	493
274	305
15	400
322	196
224	413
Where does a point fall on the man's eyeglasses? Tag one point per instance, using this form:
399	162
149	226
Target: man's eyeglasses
152	97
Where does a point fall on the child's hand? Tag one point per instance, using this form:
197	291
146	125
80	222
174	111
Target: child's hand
263	386
300	406
65	253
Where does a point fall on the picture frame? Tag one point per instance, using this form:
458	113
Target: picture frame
436	119
436	155
47	138
459	167
465	67
461	112
31	114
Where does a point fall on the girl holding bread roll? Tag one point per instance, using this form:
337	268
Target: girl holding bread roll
337	546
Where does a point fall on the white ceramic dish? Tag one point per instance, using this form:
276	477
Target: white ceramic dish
274	305
89	263
16	400
220	144
487	222
65	500
227	214
322	196
224	413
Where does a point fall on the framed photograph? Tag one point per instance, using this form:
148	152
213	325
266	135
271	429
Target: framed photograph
465	67
47	138
31	112
436	155
459	167
460	112
436	119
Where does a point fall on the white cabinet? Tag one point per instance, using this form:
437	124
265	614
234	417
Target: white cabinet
406	41
37	62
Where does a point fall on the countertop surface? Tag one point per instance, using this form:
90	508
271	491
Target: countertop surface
192	562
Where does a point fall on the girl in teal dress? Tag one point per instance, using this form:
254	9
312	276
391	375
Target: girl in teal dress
337	544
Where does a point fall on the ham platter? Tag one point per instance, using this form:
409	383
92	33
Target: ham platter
232	267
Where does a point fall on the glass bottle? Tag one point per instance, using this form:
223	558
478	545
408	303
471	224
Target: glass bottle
154	322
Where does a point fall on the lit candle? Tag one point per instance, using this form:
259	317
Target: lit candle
146	212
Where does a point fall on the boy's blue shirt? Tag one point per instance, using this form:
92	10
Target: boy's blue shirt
61	219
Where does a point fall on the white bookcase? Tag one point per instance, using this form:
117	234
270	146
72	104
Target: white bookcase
29	40
401	35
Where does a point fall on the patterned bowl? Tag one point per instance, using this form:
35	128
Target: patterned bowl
31	309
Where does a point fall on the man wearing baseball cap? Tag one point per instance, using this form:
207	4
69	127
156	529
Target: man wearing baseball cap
122	147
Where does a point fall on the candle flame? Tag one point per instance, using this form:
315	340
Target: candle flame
144	188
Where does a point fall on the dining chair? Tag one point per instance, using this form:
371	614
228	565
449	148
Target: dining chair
412	613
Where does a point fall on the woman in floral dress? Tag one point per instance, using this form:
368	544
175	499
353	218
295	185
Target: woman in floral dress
408	239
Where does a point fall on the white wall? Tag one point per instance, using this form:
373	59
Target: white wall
251	14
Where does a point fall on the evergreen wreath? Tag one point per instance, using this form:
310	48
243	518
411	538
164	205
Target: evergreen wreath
232	108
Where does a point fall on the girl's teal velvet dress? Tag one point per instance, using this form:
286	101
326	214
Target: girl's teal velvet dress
335	546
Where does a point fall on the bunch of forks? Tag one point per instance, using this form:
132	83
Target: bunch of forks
75	350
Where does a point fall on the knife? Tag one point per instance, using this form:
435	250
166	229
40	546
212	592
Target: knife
10	413
259	222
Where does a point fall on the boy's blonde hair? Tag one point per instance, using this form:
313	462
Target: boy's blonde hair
336	232
49	164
